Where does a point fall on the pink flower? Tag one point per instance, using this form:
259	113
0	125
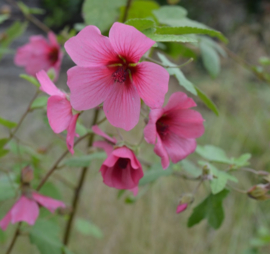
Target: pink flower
173	129
121	169
59	110
26	209
108	71
40	54
181	208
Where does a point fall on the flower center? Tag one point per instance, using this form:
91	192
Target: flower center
53	55
120	75
162	128
122	163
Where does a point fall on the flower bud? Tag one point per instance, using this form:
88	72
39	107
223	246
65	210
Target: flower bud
259	192
27	175
185	200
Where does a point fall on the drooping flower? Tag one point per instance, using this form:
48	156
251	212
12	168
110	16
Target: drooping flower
59	110
40	54
108	71
26	209
121	169
174	129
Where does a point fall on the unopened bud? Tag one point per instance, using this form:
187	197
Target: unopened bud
185	200
259	192
27	174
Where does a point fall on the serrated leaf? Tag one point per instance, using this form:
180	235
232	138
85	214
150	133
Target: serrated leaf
181	30
210	59
30	79
210	104
7	123
86	227
45	235
84	161
171	37
170	14
3	17
101	13
178	74
210	209
141	24
39	102
139	9
156	171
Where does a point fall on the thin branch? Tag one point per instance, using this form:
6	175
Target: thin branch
17	233
126	10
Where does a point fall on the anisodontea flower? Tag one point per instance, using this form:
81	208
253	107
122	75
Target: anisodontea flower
108	71
121	169
26	209
40	54
59	110
174	129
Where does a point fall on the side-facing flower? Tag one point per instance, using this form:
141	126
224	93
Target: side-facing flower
26	209
108	71
121	169
174	129
40	54
59	110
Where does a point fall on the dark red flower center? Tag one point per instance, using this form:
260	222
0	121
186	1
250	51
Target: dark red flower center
162	128
122	163
120	75
53	55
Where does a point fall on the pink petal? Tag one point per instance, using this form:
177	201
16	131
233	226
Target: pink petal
128	42
185	123
150	130
24	210
181	208
108	148
135	191
53	39
178	148
5	221
89	87
90	48
151	82
47	86
47	202
124	152
122	107
162	153
59	113
71	133
99	132
178	101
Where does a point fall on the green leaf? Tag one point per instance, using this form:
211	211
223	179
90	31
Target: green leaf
175	50
264	60
210	209
178	74
3	236
211	105
23	150
156	171
39	102
30	79
3	17
242	160
7	123
85	227
101	13
210	42
170	14
210	59
213	153
45	235
180	30
3	141
190	168
3	152
24	8
171	37
49	189
81	129
139	9
7	187
84	161
141	24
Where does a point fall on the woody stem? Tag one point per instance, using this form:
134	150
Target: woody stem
126	10
78	189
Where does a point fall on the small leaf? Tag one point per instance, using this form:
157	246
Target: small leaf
169	14
84	161
3	141
7	187
85	227
24	8
156	171
171	37
49	189
191	168
242	160
210	104
39	102
3	17
30	79
7	123
264	60
213	153
81	129
3	152
141	24
210	209
178	74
